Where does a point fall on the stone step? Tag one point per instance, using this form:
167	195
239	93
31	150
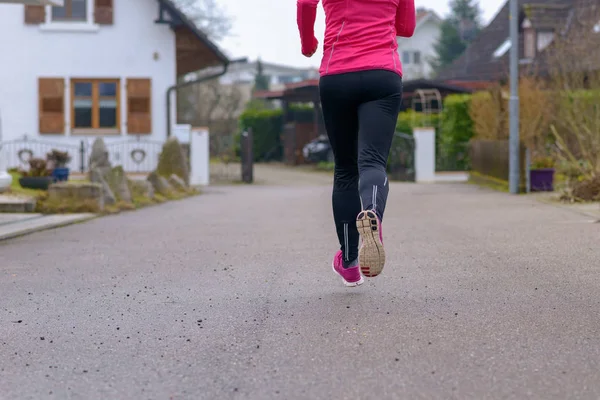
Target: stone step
14	225
13	204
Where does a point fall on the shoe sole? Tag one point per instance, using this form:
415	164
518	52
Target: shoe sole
371	255
346	283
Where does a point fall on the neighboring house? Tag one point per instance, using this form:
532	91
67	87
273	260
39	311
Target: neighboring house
95	68
417	52
487	58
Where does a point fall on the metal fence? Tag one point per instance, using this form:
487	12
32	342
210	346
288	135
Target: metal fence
401	165
452	157
133	154
18	152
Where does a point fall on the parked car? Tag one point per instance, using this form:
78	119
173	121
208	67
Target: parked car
318	150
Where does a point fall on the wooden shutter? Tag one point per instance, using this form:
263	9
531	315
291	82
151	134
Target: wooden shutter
51	93
35	15
139	106
103	12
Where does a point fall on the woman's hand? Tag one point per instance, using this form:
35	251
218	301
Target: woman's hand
312	50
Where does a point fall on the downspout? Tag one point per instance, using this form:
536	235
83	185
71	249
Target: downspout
194	82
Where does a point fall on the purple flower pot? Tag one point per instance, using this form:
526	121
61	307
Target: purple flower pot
541	180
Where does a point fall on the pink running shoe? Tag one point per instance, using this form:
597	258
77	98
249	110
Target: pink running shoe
371	255
351	276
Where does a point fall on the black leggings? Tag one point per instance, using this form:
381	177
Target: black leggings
360	110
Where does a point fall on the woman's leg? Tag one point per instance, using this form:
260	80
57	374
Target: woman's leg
377	126
377	117
340	113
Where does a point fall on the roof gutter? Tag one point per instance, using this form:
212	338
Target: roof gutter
178	86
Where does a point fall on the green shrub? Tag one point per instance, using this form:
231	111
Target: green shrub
456	130
407	121
410	119
172	160
267	126
302	113
325	166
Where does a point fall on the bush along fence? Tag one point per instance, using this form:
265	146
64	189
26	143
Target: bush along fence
268	128
453	131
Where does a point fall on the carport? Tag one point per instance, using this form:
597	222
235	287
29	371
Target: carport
297	132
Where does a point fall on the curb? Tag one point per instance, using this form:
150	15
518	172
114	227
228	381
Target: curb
594	215
54	225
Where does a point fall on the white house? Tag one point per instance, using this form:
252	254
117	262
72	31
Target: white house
418	51
94	68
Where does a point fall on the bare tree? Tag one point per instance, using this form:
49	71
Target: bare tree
574	68
209	16
216	106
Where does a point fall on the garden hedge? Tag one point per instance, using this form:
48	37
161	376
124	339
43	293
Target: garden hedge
456	130
267	126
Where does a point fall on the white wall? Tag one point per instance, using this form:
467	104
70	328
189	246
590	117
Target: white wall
122	50
424	39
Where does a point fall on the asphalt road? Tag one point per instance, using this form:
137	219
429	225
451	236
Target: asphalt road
230	295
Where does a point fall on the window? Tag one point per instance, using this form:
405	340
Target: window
544	39
417	57
95	105
72	11
406	57
289	79
504	47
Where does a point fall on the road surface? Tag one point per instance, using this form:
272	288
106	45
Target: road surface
230	295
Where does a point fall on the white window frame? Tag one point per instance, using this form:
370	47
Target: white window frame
66	26
544	39
503	48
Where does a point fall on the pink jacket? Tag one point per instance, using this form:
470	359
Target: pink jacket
359	34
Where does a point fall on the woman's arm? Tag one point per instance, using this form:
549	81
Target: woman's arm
406	19
306	16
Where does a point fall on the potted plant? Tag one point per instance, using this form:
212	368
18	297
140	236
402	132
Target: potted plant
58	161
38	176
541	174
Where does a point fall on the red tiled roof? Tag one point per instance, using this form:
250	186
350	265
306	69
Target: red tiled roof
422	13
289	88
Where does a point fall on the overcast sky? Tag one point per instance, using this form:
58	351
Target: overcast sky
267	28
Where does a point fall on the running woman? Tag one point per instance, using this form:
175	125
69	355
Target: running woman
361	94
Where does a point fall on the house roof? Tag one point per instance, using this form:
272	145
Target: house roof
547	16
478	63
304	91
195	49
424	15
